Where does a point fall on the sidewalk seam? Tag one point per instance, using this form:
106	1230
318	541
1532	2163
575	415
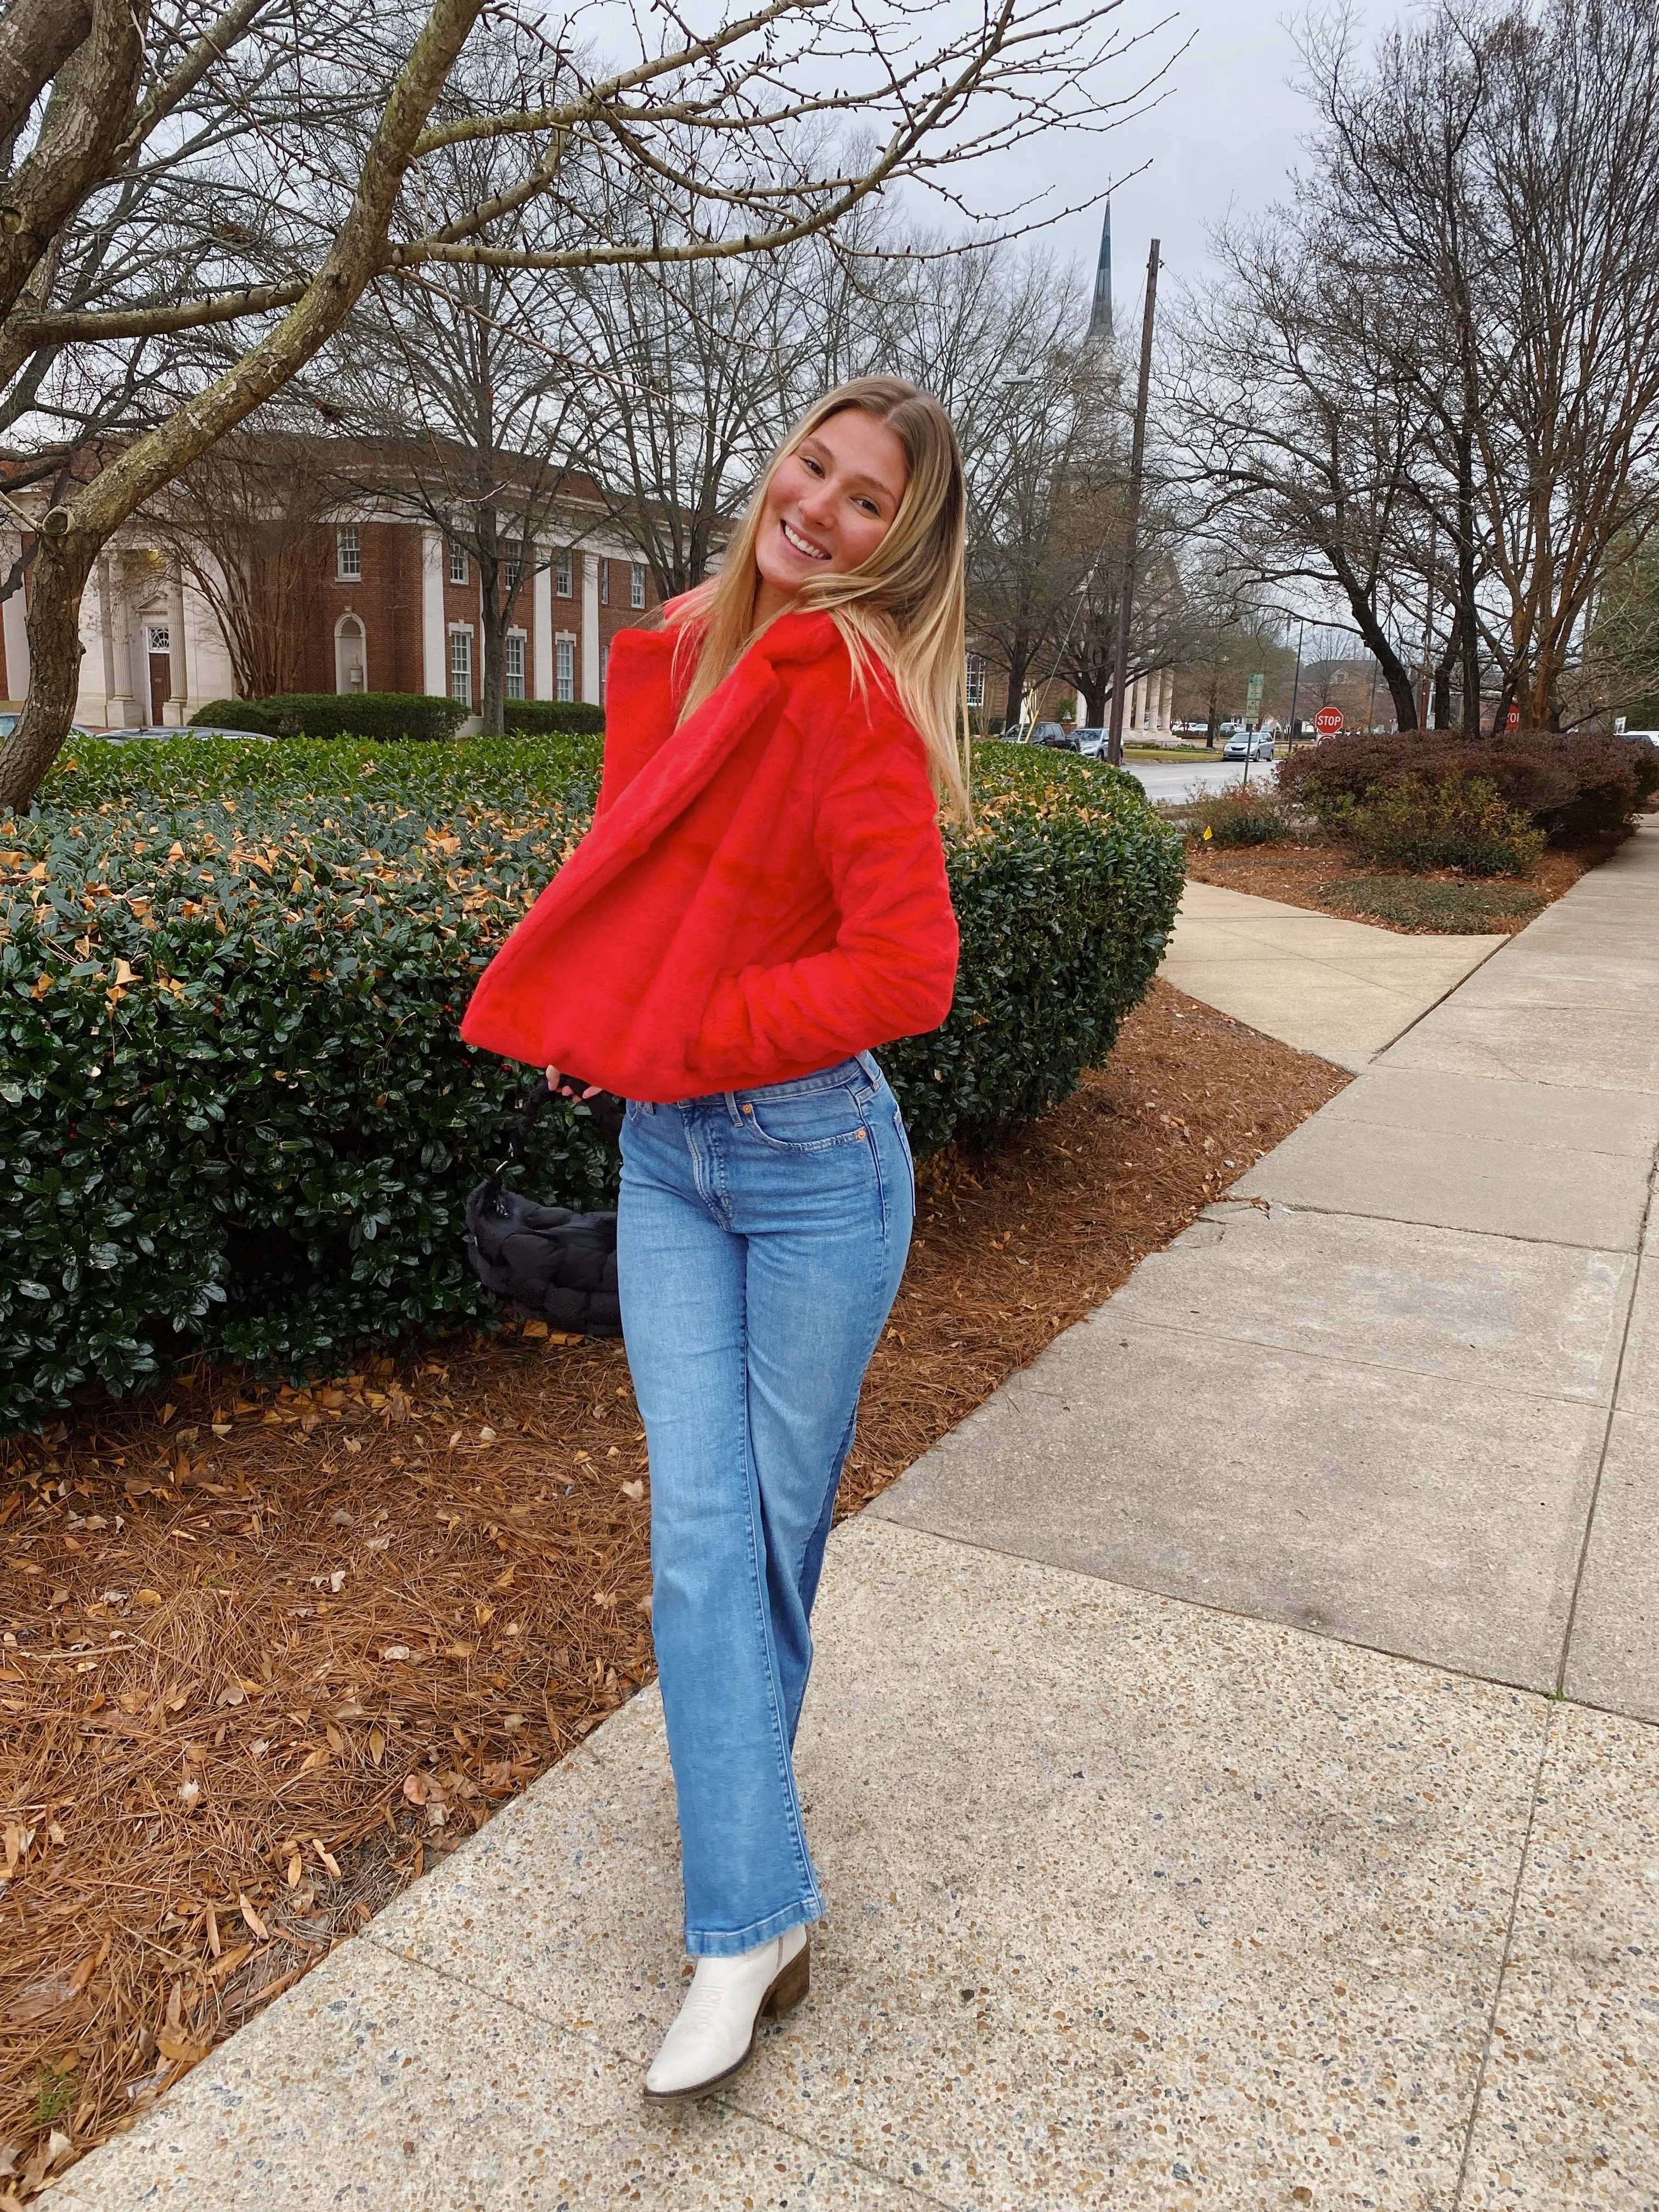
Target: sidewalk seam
1481	2070
1607	1438
482	1991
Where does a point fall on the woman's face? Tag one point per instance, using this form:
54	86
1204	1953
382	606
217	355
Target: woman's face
829	506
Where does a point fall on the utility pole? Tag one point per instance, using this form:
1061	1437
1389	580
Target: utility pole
1137	463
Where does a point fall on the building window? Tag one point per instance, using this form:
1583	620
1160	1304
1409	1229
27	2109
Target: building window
561	574
457	563
348	553
636	584
460	666
605	583
564	668
515	667
161	638
976	679
512	570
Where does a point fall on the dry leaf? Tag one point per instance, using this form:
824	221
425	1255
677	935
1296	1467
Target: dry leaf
311	1760
535	1328
414	1788
189	1793
255	1925
504	1581
634	1490
147	1597
486	1436
294	1870
179	2050
395	1651
376	1746
326	1856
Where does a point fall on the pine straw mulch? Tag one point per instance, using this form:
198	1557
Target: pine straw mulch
269	1651
1295	874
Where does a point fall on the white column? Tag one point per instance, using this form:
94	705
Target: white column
1165	697
541	624
137	643
178	707
1137	703
16	617
435	639
591	628
106	638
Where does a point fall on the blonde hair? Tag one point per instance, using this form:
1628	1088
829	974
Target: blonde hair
905	607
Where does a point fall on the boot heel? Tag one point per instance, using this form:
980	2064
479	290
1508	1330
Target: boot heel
791	1986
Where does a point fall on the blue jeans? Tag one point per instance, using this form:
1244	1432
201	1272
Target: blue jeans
760	1239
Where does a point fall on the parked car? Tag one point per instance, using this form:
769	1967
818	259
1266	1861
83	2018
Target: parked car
1091	742
8	722
1248	746
156	733
1051	734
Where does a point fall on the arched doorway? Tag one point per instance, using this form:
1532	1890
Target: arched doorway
350	655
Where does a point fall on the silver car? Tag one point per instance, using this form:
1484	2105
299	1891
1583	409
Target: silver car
159	733
1248	746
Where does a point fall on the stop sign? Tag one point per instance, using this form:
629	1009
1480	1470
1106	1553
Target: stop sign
1327	721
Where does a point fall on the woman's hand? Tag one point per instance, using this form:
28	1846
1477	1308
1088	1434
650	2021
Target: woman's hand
568	1087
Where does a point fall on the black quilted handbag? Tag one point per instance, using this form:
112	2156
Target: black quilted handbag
546	1260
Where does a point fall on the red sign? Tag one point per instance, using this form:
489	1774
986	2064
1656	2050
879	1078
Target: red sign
1327	721
1512	719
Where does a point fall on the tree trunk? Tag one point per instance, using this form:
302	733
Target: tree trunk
63	563
1401	690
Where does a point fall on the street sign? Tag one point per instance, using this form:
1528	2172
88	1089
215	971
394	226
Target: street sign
1253	699
1512	719
1327	721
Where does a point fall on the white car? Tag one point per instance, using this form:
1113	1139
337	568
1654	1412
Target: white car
1248	746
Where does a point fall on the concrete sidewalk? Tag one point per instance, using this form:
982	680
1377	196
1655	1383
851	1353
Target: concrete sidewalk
1343	989
1230	1758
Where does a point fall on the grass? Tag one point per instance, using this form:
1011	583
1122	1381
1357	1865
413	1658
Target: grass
1429	903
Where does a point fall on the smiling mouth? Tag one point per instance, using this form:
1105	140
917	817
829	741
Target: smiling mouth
804	546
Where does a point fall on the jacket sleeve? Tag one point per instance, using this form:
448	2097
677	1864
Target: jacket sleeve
891	971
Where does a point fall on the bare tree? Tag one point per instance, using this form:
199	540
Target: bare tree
242	519
767	101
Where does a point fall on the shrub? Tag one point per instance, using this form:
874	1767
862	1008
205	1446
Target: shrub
382	715
1582	787
235	1114
1429	904
1459	821
545	717
1249	814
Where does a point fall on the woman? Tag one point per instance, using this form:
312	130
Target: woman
761	899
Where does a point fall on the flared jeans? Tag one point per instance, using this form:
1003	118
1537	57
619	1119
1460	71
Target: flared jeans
760	1239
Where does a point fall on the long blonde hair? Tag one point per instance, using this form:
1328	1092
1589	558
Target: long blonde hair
905	607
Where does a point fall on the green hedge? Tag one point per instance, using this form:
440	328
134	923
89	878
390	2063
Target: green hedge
550	717
234	1113
382	715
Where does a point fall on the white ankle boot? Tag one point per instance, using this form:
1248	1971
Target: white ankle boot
715	2034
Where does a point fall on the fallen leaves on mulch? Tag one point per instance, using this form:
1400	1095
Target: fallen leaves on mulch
268	1652
1295	874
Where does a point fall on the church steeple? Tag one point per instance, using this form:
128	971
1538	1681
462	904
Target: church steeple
1100	315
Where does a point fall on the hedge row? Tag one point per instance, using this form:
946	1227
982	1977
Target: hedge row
546	718
386	716
1578	786
235	1114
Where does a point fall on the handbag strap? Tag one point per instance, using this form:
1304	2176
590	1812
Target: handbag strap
540	1091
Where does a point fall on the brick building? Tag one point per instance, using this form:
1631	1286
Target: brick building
391	605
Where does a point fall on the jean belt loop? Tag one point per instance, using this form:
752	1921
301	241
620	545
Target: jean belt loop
871	1066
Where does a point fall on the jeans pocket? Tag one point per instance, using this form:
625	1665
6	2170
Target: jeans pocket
807	1120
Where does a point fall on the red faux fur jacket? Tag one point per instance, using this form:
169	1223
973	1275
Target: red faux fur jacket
763	891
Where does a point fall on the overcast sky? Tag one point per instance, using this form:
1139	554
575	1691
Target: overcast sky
1222	138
